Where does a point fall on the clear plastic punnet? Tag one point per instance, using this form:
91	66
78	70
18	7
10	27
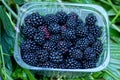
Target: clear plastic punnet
82	10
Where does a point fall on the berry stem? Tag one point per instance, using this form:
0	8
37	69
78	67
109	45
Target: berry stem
9	9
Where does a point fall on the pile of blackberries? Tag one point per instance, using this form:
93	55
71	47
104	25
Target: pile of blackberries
61	40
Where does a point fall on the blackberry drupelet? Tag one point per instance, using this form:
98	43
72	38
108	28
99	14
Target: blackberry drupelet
42	55
90	19
68	34
75	53
30	59
28	31
34	20
82	31
49	64
71	23
98	47
50	18
91	38
62	17
88	64
73	15
82	44
89	54
73	64
39	38
56	57
62	46
62	66
49	46
55	38
54	28
28	46
95	30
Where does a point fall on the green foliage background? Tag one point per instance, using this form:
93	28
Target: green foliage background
10	70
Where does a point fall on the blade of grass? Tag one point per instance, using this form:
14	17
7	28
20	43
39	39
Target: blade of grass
114	19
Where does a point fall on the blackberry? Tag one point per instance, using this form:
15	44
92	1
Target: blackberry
30	59
82	43
98	47
73	64
54	28
55	38
90	19
82	31
71	23
75	53
45	30
62	17
68	34
62	66
42	55
95	30
28	31
73	15
28	46
39	38
88	64
91	38
51	18
62	46
56	57
49	46
34	20
79	22
49	64
89	53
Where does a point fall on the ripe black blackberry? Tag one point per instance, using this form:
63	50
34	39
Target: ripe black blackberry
55	37
73	64
30	58
62	46
39	38
56	57
49	46
62	17
98	47
71	23
42	55
89	54
91	38
82	44
34	20
95	30
50	18
90	19
75	53
73	15
62	66
82	31
54	28
49	64
88	64
28	31
68	34
28	46
79	22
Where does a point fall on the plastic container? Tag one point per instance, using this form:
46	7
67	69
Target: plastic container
82	10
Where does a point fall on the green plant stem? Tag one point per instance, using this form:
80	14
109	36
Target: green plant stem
113	6
114	19
9	9
2	57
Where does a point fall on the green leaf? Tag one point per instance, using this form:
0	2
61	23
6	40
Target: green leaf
8	27
19	2
30	75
